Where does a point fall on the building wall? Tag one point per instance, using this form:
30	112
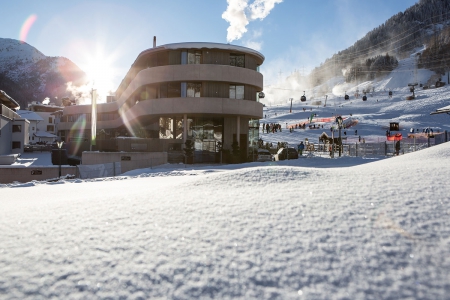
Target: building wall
19	138
5	135
141	97
11	174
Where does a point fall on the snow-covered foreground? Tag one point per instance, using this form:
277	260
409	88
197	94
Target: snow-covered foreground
379	230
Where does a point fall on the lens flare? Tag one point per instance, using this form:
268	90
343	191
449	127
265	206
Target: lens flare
26	28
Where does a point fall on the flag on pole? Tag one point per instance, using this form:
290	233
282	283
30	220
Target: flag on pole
93	117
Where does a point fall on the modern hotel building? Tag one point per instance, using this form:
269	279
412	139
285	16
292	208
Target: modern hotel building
207	92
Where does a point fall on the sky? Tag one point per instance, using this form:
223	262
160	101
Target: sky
104	37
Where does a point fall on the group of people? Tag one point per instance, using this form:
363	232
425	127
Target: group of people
271	127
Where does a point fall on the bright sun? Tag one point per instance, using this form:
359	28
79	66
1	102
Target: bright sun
100	72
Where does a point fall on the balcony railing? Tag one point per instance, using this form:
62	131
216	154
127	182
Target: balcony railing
8	113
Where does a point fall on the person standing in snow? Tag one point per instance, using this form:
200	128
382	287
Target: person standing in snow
397	147
300	148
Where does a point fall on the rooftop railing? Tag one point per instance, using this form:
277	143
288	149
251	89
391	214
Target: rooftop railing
8	113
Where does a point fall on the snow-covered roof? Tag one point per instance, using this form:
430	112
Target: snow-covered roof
29	115
9	102
44	134
201	45
443	110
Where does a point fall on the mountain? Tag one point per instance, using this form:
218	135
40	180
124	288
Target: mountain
425	23
28	75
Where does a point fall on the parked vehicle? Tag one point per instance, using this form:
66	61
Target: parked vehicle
260	155
284	153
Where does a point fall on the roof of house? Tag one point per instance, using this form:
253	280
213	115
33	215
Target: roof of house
44	134
29	115
8	101
442	110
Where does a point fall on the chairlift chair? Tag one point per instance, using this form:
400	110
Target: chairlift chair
364	98
346	97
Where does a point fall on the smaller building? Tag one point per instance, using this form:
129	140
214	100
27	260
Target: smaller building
13	128
46	129
34	120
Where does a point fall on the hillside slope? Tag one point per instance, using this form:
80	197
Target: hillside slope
28	75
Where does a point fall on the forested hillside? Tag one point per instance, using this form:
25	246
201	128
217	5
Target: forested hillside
424	24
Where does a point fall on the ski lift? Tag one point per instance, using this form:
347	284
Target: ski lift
261	95
303	98
364	98
346	97
390	93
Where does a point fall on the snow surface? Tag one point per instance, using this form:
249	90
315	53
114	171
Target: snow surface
311	228
378	230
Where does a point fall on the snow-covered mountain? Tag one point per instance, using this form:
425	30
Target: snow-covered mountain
28	75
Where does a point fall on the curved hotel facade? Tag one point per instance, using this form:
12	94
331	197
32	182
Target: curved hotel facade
207	92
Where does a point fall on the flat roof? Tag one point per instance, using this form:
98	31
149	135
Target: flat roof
202	45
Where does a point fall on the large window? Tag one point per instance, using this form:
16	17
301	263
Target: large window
194	57
237	60
16	145
17	128
193	89
50	128
236	91
170	90
166	128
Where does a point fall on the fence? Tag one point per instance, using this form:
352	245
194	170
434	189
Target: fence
407	145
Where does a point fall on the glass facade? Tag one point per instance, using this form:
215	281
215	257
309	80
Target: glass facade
253	134
194	57
237	60
237	91
193	89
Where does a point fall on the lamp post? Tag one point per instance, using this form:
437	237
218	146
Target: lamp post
60	143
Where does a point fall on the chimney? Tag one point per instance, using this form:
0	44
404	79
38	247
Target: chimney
154	41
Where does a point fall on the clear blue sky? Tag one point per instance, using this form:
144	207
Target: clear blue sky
295	35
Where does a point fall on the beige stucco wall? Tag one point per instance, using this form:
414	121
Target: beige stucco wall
178	106
186	73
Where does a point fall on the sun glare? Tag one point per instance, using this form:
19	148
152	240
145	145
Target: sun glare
100	73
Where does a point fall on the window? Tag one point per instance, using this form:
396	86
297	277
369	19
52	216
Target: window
237	60
165	128
174	90
32	128
236	91
50	120
17	128
50	128
16	145
194	57
170	90
193	89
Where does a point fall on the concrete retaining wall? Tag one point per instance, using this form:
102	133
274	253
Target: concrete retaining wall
26	174
128	160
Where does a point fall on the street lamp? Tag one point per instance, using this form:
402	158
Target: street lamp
60	143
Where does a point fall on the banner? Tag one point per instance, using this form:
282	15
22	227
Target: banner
396	137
